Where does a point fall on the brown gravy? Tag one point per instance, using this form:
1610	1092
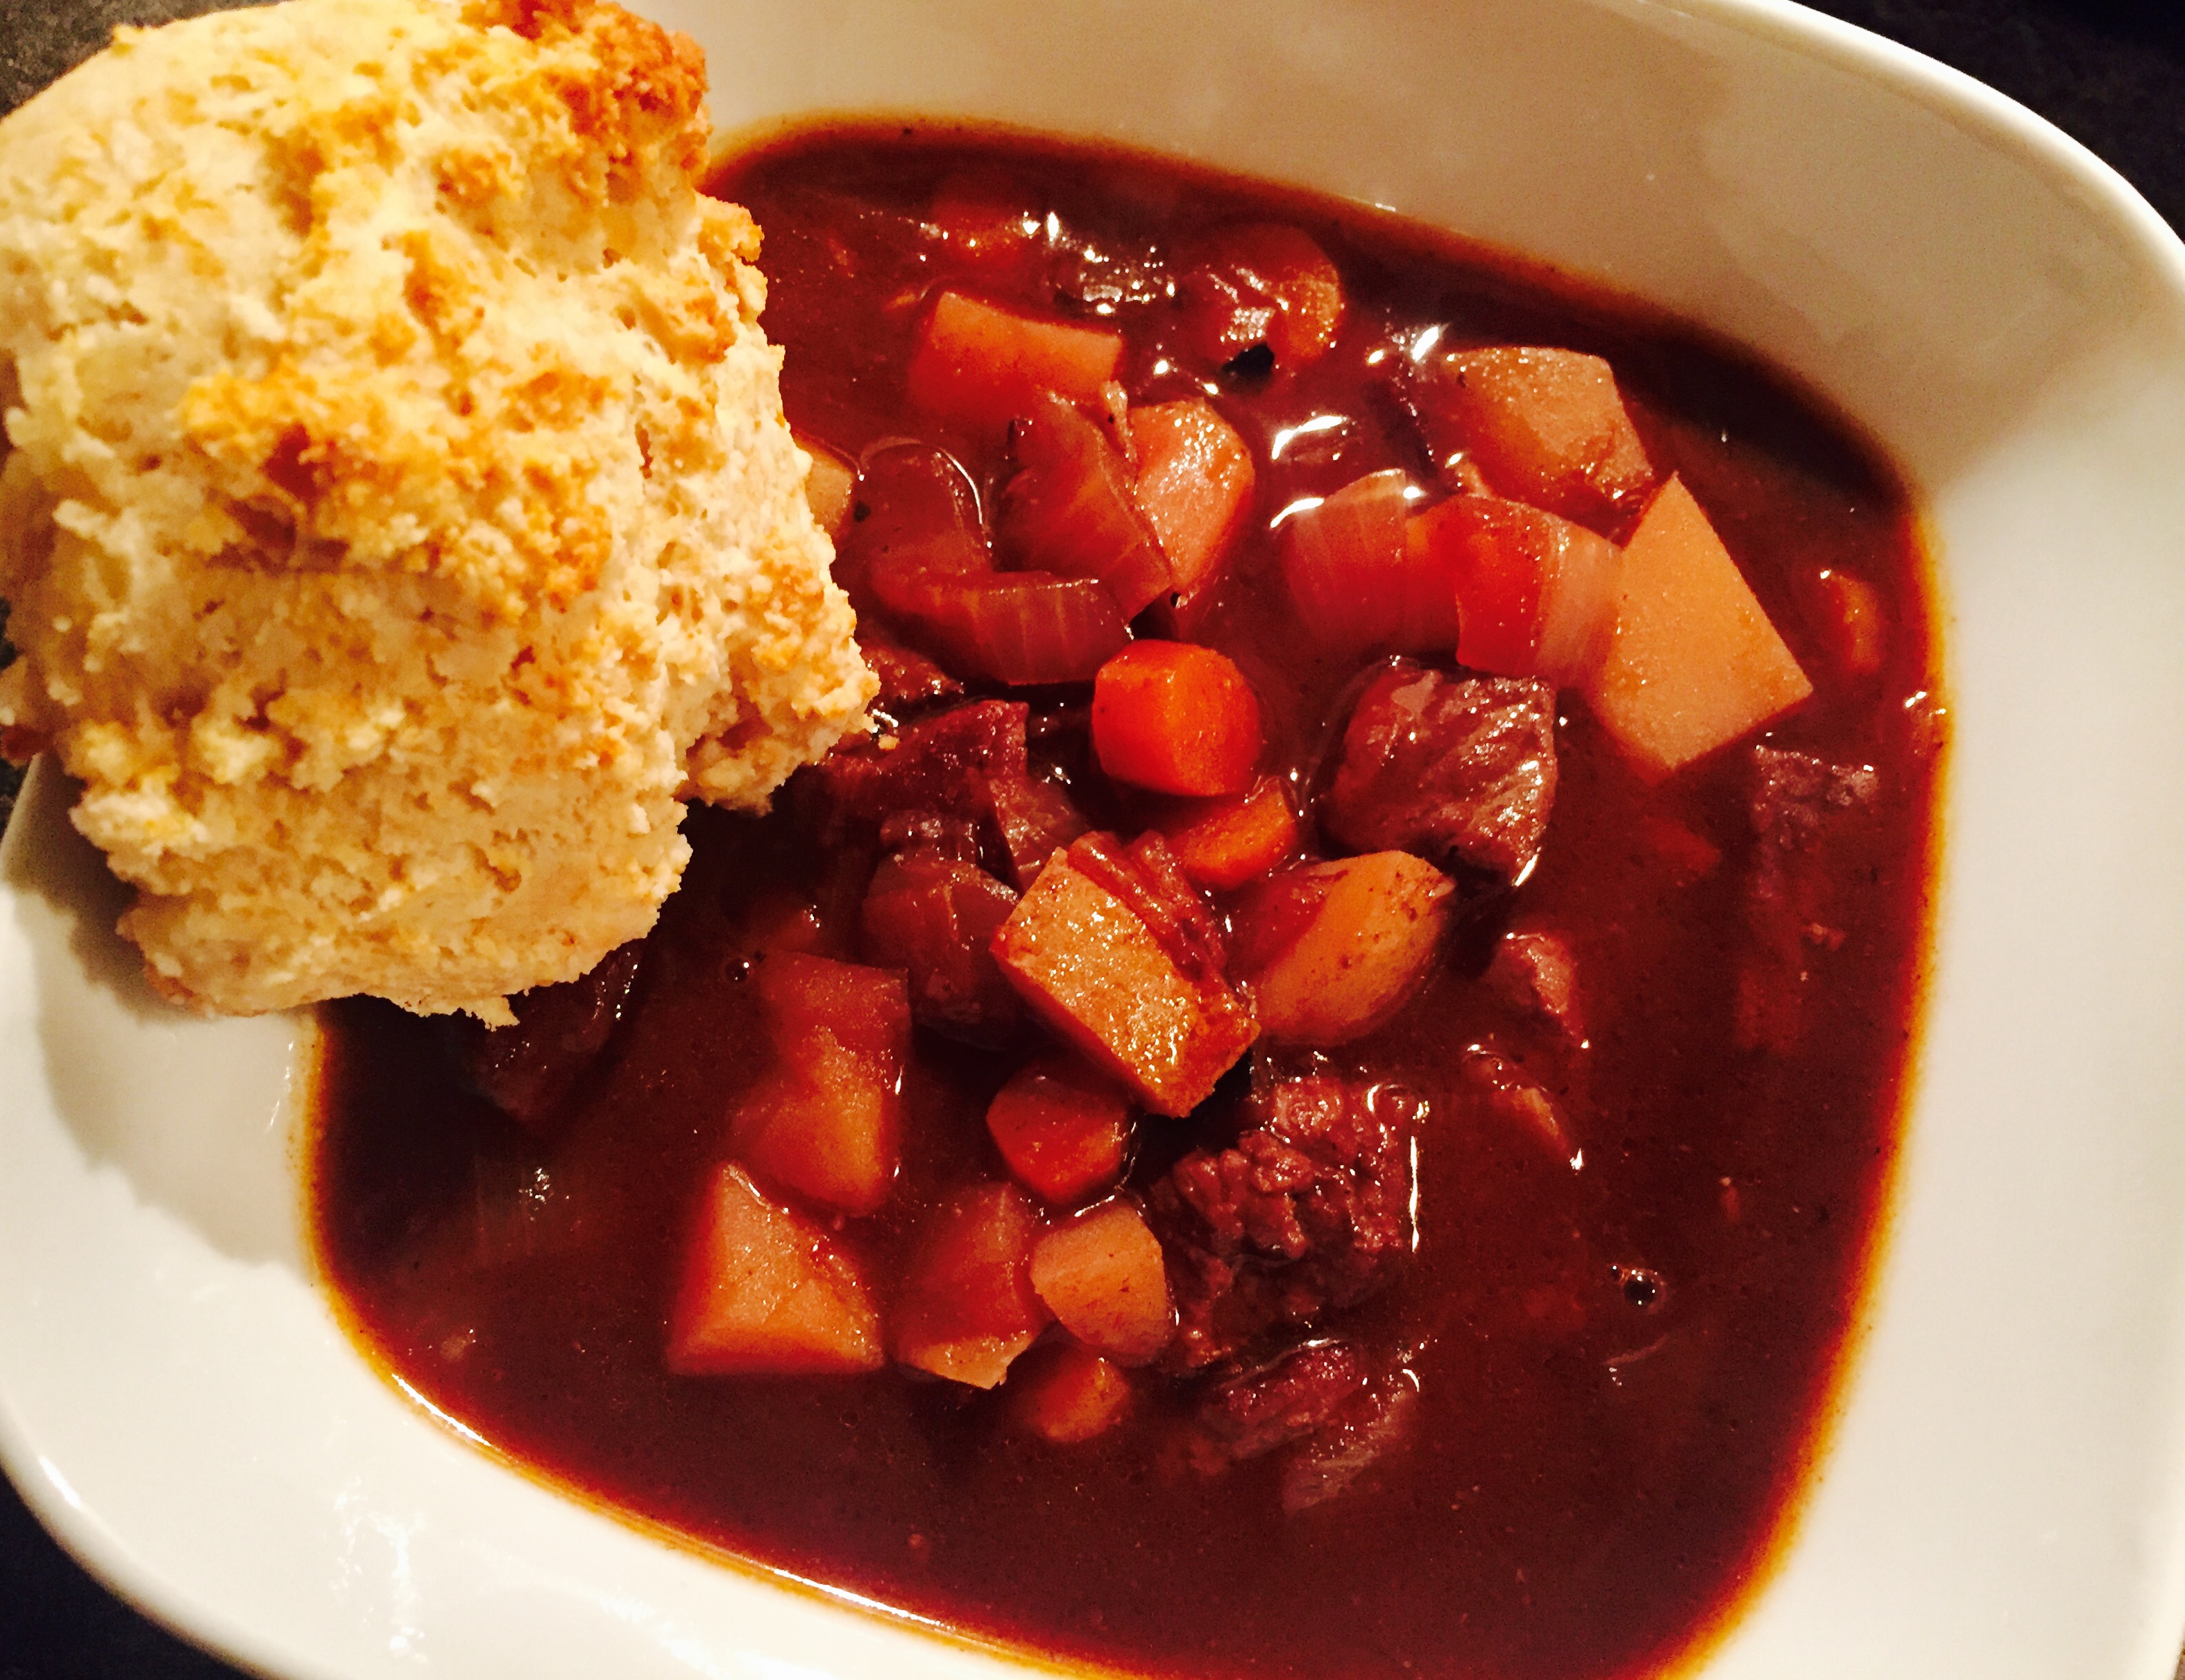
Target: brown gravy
1622	1369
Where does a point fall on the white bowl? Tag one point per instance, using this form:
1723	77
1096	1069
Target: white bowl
2005	1494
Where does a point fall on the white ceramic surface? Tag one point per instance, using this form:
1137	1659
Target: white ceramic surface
2005	1498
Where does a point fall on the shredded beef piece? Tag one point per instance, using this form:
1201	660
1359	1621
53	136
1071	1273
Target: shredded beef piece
1354	1436
1534	973
932	912
526	1069
1456	769
1255	1413
908	678
1799	806
941	763
1309	1209
968	763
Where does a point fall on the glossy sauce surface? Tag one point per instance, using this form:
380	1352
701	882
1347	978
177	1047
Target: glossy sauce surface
1621	1355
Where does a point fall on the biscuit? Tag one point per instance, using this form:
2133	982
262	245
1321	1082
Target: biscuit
398	514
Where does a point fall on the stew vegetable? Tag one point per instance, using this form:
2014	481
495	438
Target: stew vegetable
1316	1101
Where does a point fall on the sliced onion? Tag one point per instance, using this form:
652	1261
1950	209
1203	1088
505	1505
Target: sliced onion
1356	581
1024	628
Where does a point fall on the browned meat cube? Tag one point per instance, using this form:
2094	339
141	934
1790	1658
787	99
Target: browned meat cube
1309	1209
1536	973
934	915
967	764
1354	1437
1803	809
1256	1413
1120	956
1454	770
526	1069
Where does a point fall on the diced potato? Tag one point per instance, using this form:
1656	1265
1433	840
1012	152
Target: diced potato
981	365
1548	426
967	1307
1194	485
1695	663
1063	1129
1093	970
1331	951
766	1290
826	1122
1064	1393
1101	1275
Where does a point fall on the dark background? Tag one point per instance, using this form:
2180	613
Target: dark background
2112	75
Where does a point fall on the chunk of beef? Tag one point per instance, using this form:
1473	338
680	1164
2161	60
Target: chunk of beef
526	1069
1309	1209
1363	1428
968	763
1803	810
1503	1091
908	679
1454	770
1255	1413
1535	973
932	912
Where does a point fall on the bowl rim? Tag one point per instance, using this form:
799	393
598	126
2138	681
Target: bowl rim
1957	98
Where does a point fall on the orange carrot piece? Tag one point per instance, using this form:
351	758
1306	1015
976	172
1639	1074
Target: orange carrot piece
1176	718
1063	1129
1103	1277
765	1289
1194	486
1066	1393
988	216
1695	663
1223	843
967	1307
981	365
1259	282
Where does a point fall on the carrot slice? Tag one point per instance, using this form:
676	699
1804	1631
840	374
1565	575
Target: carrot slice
1260	282
1176	718
1103	1277
1194	485
1224	842
980	366
1063	1129
1695	663
766	1289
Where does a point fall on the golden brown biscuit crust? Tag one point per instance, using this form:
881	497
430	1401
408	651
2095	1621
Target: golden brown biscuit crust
399	512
